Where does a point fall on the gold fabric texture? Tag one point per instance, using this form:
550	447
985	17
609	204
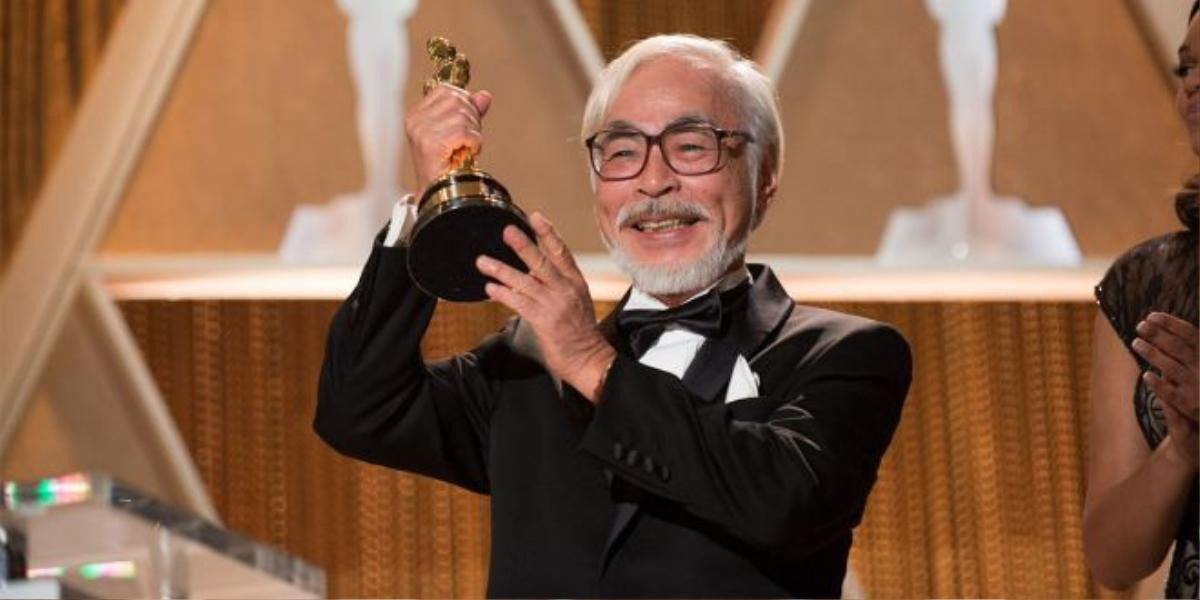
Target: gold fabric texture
980	493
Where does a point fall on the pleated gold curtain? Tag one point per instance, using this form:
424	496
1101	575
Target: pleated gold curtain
980	494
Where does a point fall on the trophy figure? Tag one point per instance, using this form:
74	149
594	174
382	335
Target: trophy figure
974	225
463	213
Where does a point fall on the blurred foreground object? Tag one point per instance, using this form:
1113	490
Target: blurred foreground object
101	539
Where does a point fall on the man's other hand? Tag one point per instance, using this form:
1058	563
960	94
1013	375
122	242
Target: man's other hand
553	298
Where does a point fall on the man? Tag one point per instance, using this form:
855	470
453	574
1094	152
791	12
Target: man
709	438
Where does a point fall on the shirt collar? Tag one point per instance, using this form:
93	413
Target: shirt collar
639	300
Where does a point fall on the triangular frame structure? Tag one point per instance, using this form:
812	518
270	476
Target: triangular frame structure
50	279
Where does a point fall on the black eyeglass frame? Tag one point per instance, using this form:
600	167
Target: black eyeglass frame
656	140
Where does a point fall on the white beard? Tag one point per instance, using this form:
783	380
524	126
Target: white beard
665	280
673	279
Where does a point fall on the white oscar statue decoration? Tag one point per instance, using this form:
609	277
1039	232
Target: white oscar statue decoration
972	226
341	230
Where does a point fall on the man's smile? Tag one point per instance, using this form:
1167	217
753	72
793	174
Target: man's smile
665	223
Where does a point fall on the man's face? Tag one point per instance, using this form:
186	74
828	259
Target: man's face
660	93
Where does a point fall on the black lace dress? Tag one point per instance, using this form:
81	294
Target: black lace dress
1158	275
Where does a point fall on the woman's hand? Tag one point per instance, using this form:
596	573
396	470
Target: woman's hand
1170	345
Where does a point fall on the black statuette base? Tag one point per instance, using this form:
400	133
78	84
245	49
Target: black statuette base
447	240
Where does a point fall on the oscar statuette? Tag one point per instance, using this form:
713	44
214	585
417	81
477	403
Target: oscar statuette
462	213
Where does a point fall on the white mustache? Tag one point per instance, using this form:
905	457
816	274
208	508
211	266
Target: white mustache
665	207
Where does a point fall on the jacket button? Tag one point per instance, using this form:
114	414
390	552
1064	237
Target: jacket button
664	473
648	465
618	451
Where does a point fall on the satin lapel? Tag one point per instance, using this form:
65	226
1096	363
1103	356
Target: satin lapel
761	313
608	327
755	318
708	375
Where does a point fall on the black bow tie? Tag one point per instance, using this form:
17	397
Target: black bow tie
642	327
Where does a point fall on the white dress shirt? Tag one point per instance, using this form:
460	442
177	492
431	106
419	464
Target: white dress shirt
674	350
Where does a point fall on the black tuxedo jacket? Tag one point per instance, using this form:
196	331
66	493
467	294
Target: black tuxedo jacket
653	491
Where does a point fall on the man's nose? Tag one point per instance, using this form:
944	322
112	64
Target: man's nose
657	179
1191	83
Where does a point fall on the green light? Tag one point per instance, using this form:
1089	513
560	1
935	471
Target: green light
45	492
91	571
123	569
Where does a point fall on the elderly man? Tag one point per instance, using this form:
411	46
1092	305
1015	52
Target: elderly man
709	437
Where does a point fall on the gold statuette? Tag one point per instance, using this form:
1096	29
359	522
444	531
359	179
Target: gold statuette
463	213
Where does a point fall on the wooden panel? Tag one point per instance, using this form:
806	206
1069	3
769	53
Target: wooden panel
48	49
980	494
618	23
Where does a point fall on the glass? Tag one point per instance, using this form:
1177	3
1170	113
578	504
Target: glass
689	149
102	539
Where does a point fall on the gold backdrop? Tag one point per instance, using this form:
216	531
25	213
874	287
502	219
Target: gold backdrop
980	494
1084	119
982	489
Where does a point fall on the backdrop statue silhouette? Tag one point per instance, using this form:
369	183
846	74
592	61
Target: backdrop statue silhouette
377	46
972	224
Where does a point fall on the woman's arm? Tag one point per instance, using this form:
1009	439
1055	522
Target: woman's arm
1135	496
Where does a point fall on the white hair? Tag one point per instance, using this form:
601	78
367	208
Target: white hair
750	90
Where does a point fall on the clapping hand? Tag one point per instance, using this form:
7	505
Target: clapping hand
1170	344
553	298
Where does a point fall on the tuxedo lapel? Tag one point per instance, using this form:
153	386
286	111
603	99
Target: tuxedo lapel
758	315
609	329
755	316
708	375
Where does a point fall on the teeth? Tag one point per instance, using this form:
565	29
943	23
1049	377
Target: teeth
656	226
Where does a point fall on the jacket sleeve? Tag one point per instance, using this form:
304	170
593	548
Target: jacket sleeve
379	401
791	468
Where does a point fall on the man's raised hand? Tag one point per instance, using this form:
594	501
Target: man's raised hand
447	119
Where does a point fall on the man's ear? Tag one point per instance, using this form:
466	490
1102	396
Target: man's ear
768	183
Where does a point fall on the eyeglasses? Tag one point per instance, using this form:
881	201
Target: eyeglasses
688	149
